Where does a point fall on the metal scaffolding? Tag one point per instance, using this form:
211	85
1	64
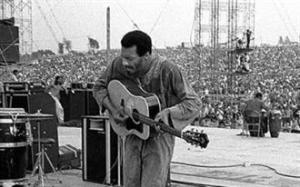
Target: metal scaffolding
213	20
218	24
21	10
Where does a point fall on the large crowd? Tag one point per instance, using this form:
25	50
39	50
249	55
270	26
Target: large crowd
274	72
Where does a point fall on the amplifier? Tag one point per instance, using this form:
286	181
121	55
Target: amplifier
90	85
37	86
101	159
16	86
76	85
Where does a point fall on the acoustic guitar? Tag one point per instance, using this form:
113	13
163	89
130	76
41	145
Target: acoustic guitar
141	108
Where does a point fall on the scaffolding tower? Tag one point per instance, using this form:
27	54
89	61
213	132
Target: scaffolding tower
217	25
21	10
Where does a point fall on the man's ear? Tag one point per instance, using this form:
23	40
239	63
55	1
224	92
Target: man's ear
147	54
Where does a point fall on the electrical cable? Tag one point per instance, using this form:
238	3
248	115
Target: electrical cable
110	169
192	183
126	13
288	18
282	19
237	165
159	16
277	172
55	19
46	21
206	166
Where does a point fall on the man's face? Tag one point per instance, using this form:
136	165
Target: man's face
131	60
60	81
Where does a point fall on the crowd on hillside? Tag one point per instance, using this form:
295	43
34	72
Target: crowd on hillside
274	72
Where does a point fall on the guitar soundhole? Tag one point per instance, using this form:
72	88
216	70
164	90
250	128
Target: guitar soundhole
131	125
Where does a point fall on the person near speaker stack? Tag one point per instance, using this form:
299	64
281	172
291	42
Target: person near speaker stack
146	162
16	75
54	92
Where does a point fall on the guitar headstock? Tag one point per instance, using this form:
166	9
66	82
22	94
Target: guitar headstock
195	137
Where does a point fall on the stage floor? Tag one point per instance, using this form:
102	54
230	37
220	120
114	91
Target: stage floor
229	160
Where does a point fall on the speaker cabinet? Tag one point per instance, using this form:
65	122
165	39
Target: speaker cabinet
9	34
77	104
10	53
100	151
92	107
65	102
17	100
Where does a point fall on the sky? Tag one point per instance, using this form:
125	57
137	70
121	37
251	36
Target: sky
168	22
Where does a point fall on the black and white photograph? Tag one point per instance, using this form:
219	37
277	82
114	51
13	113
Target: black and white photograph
149	93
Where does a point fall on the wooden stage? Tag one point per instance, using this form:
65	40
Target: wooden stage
229	160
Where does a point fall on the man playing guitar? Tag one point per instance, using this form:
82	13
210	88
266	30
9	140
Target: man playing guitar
146	162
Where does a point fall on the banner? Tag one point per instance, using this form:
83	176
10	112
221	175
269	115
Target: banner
93	43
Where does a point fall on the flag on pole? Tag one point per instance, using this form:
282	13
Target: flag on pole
93	43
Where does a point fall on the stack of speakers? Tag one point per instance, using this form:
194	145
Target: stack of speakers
78	102
101	163
21	95
9	41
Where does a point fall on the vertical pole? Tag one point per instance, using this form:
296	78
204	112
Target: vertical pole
108	28
229	71
199	38
2	9
107	34
108	151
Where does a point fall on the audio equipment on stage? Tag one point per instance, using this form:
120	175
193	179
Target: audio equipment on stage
44	102
100	151
15	95
9	41
16	87
76	86
65	103
9	34
90	85
37	86
10	53
92	107
77	104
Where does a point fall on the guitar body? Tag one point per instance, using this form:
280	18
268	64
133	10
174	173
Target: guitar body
133	99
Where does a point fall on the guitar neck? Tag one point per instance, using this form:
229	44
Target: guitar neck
152	123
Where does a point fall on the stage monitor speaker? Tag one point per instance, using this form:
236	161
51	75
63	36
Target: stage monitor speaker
48	128
100	151
92	107
77	104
